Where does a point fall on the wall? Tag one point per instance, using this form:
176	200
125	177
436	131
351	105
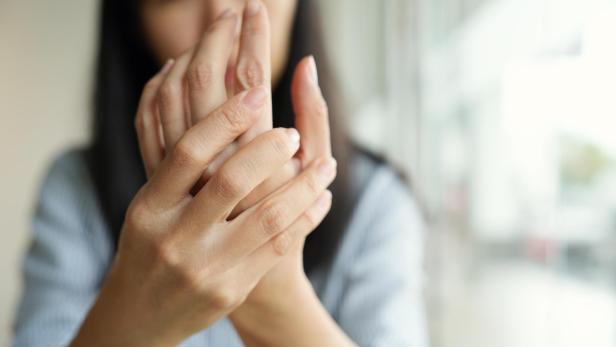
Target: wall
45	62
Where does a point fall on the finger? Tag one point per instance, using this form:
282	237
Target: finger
311	113
289	171
272	252
276	213
207	70
253	70
171	102
245	170
220	159
184	165
254	59
147	122
254	65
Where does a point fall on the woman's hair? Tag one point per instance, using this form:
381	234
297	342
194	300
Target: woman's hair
125	64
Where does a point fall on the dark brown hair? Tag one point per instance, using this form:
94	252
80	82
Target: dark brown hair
124	66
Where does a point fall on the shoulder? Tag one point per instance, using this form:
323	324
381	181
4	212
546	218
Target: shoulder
67	172
376	278
68	208
385	224
67	256
386	203
67	191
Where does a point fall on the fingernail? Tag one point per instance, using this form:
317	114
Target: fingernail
314	75
167	66
327	167
293	135
255	98
225	14
253	7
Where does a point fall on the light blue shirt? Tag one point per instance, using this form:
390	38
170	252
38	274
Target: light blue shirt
373	288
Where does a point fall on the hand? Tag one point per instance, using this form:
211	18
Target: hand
278	293
312	121
313	124
203	69
223	62
181	264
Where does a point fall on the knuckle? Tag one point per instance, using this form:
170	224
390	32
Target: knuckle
251	73
150	87
254	29
139	123
279	143
168	92
200	76
218	27
312	185
225	298
227	185
143	120
312	218
188	277
232	119
317	108
185	153
272	218
138	215
291	169
169	257
320	107
282	244
165	254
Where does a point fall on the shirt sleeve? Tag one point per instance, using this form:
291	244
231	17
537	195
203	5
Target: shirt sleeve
61	269
382	303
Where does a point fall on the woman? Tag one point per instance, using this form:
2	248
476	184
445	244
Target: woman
190	230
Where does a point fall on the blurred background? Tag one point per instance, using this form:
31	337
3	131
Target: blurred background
503	113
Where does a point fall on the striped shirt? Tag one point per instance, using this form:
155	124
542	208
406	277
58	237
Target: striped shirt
372	288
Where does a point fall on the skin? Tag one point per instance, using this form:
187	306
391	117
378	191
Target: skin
172	27
218	229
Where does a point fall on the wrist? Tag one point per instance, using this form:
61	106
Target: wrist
299	317
118	318
295	288
260	318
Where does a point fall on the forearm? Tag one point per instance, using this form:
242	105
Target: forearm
299	319
116	319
